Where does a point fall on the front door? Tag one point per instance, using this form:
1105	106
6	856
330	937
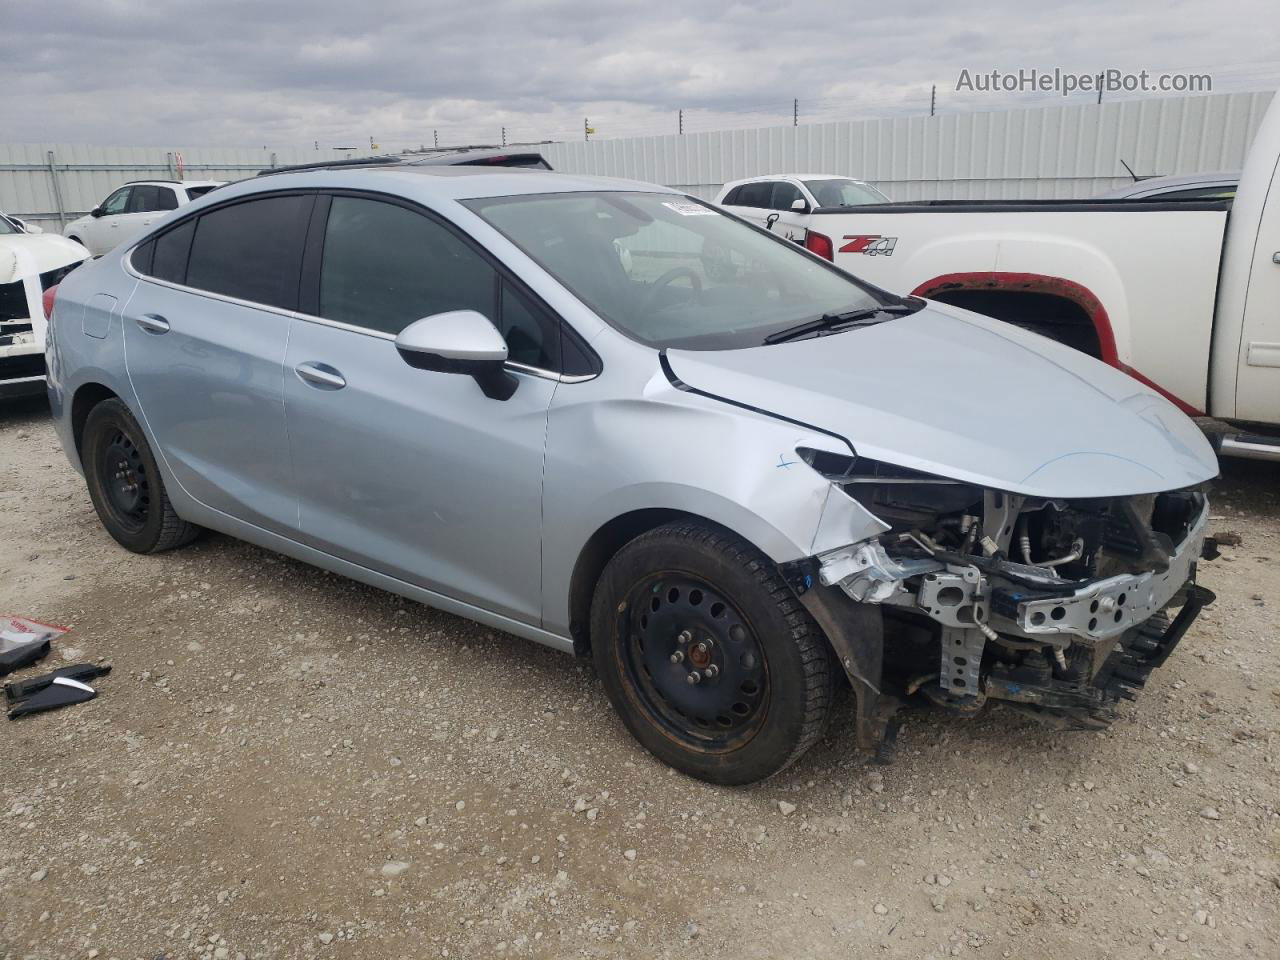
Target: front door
790	222
413	473
100	231
205	337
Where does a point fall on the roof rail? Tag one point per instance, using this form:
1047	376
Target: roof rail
329	164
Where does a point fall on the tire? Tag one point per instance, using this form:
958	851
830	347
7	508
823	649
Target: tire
125	483
713	600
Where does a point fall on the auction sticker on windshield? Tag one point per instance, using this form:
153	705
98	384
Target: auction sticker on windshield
689	209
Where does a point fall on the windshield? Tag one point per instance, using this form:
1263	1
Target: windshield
674	272
844	193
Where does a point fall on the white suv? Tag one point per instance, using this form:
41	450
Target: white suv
783	202
131	209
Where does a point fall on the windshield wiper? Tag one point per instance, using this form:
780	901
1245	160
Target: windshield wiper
865	317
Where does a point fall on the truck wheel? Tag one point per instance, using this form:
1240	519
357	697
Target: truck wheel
707	655
125	484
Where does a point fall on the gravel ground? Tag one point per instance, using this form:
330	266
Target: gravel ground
288	764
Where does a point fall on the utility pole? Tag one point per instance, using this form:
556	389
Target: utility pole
795	112
435	137
681	121
504	136
1099	94
586	128
933	100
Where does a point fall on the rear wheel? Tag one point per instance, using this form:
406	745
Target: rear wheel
707	656
125	484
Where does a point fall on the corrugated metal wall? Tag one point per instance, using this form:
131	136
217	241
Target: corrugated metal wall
40	179
1056	151
1041	152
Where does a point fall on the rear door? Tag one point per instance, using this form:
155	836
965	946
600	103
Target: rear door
205	336
413	473
751	201
147	203
1258	383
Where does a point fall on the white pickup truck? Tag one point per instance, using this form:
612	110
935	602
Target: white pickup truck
1184	295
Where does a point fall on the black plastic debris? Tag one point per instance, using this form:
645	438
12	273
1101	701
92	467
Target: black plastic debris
61	692
84	672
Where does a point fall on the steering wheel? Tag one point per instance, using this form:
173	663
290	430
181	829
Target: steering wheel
666	279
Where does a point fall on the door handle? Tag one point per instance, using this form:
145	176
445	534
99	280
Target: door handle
152	323
320	375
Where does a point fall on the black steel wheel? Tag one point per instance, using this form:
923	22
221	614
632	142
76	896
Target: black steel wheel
125	484
694	660
128	486
707	655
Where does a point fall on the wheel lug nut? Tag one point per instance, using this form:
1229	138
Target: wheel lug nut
711	671
677	657
685	637
694	677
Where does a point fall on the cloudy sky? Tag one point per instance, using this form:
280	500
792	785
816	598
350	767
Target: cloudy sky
292	72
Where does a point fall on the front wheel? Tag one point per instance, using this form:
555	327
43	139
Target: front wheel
125	484
707	655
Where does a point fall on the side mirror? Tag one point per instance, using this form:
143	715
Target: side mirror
800	206
96	212
459	341
32	228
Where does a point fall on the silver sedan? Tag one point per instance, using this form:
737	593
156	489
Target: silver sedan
613	419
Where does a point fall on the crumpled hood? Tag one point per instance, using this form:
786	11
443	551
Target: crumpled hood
27	254
967	397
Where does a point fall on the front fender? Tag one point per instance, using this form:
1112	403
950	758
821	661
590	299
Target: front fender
683	452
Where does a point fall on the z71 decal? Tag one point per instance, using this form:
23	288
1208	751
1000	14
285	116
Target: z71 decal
873	245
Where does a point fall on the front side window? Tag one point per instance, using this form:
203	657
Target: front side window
251	250
670	271
837	192
784	195
386	266
117	202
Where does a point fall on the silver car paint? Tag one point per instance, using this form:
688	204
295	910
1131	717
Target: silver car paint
626	440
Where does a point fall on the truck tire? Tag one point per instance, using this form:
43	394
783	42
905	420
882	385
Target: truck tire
707	656
125	483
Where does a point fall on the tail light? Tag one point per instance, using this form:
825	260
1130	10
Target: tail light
47	300
820	244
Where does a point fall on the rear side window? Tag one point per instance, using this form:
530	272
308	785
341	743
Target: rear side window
149	198
385	266
731	198
171	252
756	194
194	192
251	250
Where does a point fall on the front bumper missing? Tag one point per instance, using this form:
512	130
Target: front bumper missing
1064	650
1105	608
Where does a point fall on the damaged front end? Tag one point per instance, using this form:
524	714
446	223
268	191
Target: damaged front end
1054	606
